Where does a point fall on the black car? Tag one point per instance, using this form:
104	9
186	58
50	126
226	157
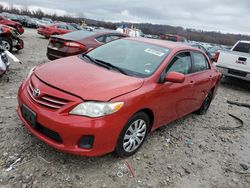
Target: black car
30	23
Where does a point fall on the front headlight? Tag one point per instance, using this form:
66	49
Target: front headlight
96	109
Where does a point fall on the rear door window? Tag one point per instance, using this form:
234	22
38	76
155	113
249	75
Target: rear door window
200	63
181	63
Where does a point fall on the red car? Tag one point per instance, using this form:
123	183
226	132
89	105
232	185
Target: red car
13	24
174	38
110	98
56	29
79	42
10	38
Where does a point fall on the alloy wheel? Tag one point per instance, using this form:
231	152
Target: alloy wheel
134	135
5	45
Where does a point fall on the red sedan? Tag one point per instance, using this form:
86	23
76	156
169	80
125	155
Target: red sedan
110	98
13	24
56	29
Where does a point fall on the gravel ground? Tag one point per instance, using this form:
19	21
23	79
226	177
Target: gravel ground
194	151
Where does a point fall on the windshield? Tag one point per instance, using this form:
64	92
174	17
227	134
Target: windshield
136	58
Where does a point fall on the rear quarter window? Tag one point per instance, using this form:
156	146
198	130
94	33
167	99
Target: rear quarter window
112	37
101	39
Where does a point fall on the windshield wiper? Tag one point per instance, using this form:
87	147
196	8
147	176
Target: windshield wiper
112	66
93	60
104	64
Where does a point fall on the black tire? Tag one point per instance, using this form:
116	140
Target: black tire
206	104
139	117
7	44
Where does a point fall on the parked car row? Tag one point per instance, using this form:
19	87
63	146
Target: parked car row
27	21
16	25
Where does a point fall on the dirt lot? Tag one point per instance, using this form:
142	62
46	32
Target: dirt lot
194	151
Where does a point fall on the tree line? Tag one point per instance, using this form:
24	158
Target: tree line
147	28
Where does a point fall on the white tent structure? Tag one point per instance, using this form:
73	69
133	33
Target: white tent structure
132	32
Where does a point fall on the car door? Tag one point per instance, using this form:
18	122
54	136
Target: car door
202	76
176	99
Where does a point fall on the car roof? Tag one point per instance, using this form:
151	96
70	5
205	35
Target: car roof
245	41
162	43
104	32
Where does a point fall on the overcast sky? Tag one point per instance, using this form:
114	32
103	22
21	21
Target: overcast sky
228	16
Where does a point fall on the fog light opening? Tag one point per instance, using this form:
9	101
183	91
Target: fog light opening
86	142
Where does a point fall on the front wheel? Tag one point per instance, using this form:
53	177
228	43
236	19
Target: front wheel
133	135
7	44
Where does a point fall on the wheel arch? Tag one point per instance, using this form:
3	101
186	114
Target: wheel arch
150	115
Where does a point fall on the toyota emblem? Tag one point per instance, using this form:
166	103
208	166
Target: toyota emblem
36	92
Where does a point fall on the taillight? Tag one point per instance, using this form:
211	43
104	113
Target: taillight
216	56
74	45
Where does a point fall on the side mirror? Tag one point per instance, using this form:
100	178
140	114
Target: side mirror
175	77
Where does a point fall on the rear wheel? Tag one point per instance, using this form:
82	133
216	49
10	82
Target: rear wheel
206	104
7	44
133	135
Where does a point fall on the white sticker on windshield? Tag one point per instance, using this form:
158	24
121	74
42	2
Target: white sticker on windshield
154	52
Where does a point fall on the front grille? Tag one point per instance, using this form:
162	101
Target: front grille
46	100
48	133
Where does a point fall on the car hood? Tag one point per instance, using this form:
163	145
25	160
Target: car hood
86	80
